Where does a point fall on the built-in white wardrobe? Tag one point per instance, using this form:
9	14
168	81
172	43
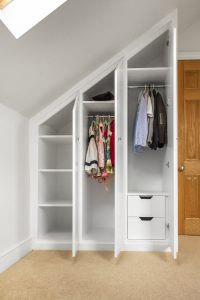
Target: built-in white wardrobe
139	211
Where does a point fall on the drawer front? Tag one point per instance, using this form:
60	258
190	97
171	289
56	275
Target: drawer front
153	229
152	206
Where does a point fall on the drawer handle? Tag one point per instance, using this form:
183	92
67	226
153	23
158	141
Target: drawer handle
146	218
146	197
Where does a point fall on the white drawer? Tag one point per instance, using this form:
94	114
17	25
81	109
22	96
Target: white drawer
146	206
153	229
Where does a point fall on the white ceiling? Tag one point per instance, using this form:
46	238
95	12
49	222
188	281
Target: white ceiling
72	42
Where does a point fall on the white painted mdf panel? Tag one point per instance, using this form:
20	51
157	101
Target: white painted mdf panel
76	175
55	224
55	187
55	154
153	207
120	96
175	148
146	230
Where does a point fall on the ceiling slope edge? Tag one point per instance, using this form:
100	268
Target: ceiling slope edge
129	51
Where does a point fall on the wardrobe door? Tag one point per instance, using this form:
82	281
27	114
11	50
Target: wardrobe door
170	179
120	160
175	148
76	171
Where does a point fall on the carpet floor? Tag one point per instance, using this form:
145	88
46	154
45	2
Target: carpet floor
54	275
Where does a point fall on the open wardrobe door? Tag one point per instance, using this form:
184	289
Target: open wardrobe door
173	113
120	107
76	156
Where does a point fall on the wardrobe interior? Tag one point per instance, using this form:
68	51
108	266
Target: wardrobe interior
97	202
151	171
72	207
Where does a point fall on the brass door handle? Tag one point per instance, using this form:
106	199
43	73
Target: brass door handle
181	168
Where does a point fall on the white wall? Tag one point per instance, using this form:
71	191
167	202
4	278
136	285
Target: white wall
189	40
14	181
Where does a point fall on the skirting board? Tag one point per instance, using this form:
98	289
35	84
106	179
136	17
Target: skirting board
39	245
89	246
14	254
86	246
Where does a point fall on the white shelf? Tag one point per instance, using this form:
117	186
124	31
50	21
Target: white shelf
54	170
58	236
63	203
147	75
100	106
64	139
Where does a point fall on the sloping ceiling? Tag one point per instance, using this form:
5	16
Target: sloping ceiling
72	42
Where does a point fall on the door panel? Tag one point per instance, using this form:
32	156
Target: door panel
191	129
76	173
120	96
189	147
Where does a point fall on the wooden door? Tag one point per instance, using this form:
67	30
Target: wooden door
120	96
189	147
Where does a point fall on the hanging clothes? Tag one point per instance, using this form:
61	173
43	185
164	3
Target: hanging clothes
112	143
109	166
150	125
101	153
162	121
150	115
141	124
91	162
99	163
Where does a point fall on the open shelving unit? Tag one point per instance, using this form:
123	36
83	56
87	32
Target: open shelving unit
55	224
55	204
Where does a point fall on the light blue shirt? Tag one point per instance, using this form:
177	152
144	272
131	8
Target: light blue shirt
141	124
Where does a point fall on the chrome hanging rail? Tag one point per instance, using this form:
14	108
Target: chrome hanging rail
100	116
147	86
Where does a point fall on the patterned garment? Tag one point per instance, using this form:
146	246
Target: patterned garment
150	115
112	143
91	162
101	153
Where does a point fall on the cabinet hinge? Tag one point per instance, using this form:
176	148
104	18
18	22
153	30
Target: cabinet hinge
167	164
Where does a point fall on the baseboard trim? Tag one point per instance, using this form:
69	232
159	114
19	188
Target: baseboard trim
146	246
43	245
12	255
84	246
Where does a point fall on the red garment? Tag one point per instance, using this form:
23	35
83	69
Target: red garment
112	143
